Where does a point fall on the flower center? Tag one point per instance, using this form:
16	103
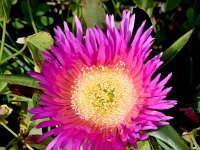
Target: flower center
103	95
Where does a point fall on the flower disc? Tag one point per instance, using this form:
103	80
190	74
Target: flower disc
103	95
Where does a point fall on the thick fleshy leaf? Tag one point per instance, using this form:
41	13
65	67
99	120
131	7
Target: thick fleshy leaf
20	79
154	143
163	145
144	145
5	6
172	51
93	13
36	43
170	136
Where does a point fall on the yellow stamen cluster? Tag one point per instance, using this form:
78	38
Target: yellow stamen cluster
103	95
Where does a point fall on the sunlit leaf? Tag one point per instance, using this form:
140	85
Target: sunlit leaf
3	88
144	145
17	24
93	13
3	85
170	136
172	51
36	43
5	6
191	138
20	79
14	147
35	130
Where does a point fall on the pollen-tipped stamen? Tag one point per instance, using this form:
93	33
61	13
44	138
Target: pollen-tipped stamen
103	95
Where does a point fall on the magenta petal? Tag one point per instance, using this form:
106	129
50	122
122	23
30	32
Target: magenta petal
53	142
79	30
144	136
47	134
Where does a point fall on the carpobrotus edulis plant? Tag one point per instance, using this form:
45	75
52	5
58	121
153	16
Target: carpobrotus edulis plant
98	88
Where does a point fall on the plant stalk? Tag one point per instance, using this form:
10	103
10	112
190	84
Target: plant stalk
3	37
31	17
13	133
13	55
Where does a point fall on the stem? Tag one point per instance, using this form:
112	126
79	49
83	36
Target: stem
11	56
22	97
20	80
16	50
29	147
8	35
3	37
13	133
194	142
31	17
116	8
7	128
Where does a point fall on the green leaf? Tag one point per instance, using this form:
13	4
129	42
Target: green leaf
172	51
197	21
42	9
93	13
154	144
36	43
171	137
190	14
171	4
25	12
144	145
196	104
165	146
5	6
145	4
196	107
17	24
20	79
46	20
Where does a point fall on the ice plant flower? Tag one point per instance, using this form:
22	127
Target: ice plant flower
98	88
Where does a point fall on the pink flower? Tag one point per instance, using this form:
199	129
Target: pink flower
98	88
